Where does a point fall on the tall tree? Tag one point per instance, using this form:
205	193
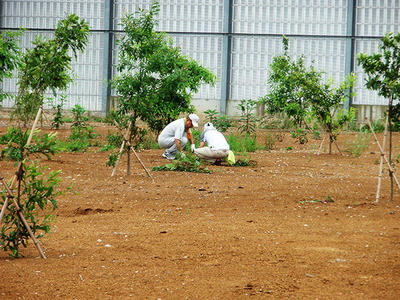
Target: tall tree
156	81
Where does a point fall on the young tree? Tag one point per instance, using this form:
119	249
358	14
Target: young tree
286	80
9	56
326	104
47	65
156	80
383	75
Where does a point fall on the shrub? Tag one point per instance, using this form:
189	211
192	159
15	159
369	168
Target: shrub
36	198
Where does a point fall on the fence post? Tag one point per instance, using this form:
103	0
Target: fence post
350	40
226	55
108	54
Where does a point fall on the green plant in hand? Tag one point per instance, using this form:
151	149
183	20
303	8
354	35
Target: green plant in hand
184	163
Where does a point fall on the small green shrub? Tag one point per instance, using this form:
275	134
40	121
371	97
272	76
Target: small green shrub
248	121
36	198
359	144
222	123
301	135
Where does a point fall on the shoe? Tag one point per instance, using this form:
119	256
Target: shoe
170	157
217	162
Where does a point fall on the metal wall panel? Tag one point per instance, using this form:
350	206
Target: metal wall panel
318	17
375	18
178	15
44	14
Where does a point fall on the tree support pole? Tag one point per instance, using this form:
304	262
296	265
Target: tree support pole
378	190
384	156
133	150
125	136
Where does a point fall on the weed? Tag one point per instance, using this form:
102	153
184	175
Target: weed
243	144
359	144
301	135
244	162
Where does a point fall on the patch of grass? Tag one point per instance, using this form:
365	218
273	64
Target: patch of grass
239	144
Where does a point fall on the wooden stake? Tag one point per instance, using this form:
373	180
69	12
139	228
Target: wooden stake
125	136
21	216
378	190
3	209
134	152
383	154
320	147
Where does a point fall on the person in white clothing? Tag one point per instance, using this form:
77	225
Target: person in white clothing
176	134
217	146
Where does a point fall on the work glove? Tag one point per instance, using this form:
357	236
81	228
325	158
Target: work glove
192	147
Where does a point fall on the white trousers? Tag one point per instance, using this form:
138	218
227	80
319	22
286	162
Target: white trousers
168	143
210	154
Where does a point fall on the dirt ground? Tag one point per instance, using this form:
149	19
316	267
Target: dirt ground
297	225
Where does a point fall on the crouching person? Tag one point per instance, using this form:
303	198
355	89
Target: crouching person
176	134
217	146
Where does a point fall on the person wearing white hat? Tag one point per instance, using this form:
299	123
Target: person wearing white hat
217	146
176	134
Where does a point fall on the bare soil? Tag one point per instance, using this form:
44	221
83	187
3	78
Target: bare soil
296	225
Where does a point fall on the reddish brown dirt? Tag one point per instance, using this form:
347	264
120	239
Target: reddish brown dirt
260	231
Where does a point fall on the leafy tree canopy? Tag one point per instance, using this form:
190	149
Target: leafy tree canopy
157	81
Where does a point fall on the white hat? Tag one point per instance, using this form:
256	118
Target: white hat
209	126
195	120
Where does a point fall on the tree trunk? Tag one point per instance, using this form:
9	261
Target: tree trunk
330	143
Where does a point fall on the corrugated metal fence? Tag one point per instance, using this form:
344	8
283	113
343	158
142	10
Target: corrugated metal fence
235	39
